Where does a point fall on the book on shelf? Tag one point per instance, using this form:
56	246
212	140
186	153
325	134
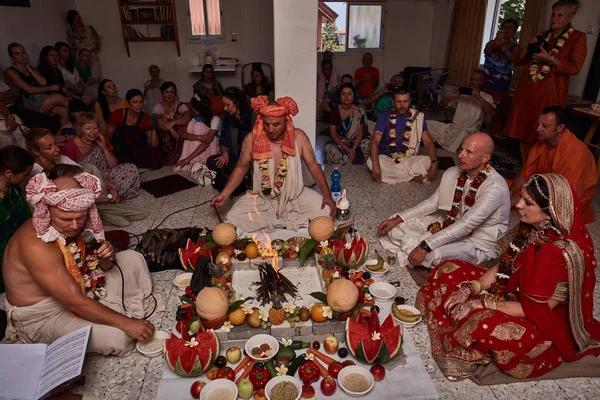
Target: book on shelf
132	33
167	31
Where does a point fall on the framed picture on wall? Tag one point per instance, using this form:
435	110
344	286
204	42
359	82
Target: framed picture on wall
146	14
15	3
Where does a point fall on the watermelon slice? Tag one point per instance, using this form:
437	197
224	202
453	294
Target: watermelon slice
190	361
350	257
364	345
192	251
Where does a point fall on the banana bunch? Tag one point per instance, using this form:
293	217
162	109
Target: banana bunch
376	267
405	315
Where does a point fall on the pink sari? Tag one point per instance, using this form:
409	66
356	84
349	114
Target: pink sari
199	129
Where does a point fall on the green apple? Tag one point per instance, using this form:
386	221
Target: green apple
245	389
234	355
195	326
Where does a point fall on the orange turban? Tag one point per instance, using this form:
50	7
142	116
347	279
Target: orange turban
260	142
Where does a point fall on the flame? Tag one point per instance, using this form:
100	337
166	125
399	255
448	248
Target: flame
275	263
264	247
254	197
250	217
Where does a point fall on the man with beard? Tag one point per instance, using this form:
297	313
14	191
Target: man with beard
276	150
395	145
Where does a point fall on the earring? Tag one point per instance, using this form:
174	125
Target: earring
546	224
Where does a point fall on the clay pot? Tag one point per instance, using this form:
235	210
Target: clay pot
344	316
215	323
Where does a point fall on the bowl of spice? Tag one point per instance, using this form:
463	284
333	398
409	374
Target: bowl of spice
356	381
262	348
283	387
219	389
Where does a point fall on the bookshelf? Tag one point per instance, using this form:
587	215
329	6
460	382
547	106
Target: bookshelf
160	14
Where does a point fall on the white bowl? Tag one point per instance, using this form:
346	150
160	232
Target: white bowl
355	369
256	341
283	378
216	384
382	291
409	308
179	280
372	261
158	338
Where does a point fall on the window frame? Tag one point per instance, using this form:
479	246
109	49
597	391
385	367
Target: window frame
212	38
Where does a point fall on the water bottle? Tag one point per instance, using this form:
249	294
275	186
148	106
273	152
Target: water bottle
336	188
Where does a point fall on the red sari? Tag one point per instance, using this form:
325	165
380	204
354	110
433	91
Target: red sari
558	264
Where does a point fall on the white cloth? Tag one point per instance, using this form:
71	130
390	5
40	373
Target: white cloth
4	88
478	229
37	168
12	138
215	123
70	77
467	119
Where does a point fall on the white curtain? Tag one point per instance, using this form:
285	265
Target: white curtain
213	15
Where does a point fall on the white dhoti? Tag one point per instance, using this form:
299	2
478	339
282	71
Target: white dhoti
404	171
449	136
405	237
48	320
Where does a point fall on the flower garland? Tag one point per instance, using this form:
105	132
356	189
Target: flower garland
437	226
93	275
396	155
534	70
267	189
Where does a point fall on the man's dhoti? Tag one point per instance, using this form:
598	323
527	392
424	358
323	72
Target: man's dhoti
48	320
404	171
405	237
449	136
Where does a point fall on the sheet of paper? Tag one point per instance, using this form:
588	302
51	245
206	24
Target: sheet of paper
64	360
20	370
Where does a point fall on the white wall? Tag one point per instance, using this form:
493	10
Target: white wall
251	20
440	29
34	27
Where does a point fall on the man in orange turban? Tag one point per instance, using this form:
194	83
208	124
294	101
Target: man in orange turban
278	199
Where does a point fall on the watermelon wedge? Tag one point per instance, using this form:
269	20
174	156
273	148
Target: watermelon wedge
192	251
354	255
191	360
372	342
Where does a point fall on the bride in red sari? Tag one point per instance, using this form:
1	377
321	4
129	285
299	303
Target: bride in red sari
530	312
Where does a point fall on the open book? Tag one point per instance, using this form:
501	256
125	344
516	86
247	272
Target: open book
31	371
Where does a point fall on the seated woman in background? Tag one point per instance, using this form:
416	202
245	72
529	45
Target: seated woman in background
84	67
499	55
66	132
538	306
173	118
347	127
108	101
15	166
91	147
208	85
152	92
200	140
36	94
131	134
238	121
66	65
259	85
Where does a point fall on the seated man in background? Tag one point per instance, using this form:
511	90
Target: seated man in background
47	296
327	81
558	151
276	149
440	228
366	78
470	111
382	100
395	145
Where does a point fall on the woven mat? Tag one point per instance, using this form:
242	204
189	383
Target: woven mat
167	185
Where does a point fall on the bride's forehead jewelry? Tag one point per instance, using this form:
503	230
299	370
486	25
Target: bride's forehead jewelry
537	186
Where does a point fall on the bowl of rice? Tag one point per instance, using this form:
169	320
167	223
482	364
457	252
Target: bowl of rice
283	387
356	381
219	389
154	346
382	291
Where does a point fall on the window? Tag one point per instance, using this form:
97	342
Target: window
497	11
205	18
345	25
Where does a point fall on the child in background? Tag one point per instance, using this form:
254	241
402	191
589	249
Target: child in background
152	89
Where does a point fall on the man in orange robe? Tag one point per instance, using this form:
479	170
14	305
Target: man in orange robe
560	152
546	79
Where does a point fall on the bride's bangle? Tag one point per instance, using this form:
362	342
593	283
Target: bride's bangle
474	286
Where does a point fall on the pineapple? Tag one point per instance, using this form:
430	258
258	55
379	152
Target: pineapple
276	313
327	262
218	275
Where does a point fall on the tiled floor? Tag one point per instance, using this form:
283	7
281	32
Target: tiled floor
137	376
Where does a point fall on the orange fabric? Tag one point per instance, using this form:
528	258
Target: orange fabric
261	148
581	173
367	89
70	261
532	97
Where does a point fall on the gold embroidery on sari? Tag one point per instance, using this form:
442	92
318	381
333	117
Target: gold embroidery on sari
508	331
443	289
447	268
521	371
463	335
502	356
561	292
539	349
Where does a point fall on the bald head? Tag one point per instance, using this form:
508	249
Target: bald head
483	141
475	152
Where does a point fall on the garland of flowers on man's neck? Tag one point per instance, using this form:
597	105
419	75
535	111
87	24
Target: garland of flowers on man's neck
534	70
396	155
263	166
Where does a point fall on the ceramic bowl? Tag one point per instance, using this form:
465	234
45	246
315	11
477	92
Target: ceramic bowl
373	261
154	347
382	291
219	384
183	280
355	369
284	378
256	341
411	309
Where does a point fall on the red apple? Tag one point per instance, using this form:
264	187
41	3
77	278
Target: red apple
335	368
196	389
359	282
328	386
331	345
308	392
378	372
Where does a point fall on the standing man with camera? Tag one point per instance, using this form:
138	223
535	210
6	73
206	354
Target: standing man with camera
471	106
551	58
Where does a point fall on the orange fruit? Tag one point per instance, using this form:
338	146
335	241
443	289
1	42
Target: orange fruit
251	250
237	317
223	259
316	312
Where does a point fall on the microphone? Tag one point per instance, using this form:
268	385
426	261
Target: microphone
90	241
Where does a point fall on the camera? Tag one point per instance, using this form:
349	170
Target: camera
535	48
393	88
465	90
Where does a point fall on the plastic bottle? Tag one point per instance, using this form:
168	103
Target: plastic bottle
336	188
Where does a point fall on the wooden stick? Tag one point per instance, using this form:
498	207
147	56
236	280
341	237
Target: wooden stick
217	212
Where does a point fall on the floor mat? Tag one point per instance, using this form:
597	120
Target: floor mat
167	185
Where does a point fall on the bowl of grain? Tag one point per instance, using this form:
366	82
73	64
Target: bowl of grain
356	381
283	387
219	389
382	291
183	280
154	346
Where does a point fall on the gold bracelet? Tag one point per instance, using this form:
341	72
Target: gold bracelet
476	285
489	302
